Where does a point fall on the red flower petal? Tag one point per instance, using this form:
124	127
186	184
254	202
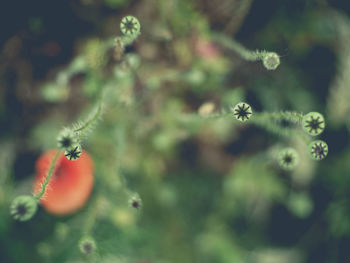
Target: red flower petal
70	185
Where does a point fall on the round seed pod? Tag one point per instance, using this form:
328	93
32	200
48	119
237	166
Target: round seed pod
288	158
73	153
313	123
130	26
87	245
135	201
66	139
271	60
242	111
23	207
318	150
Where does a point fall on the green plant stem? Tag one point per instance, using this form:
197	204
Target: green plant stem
90	122
48	176
237	47
267	121
263	116
272	127
91	217
293	116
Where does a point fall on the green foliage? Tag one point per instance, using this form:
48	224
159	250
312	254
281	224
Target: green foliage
185	171
300	204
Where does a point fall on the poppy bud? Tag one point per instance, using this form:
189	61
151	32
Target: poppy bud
135	201
87	245
23	207
288	158
66	139
313	123
73	153
271	60
318	150
242	111
130	26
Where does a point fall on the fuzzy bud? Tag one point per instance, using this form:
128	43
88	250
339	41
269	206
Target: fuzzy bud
288	158
271	60
87	245
23	207
135	202
66	139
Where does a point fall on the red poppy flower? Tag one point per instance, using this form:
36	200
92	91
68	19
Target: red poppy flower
70	184
206	49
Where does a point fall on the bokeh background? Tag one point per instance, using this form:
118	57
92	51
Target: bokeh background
211	188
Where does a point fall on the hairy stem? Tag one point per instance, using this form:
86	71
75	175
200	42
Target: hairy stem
237	47
269	122
270	60
90	122
48	176
292	116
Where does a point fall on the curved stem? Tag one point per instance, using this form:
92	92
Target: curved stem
48	177
237	47
270	59
91	121
267	121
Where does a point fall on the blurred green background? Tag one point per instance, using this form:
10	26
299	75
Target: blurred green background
211	189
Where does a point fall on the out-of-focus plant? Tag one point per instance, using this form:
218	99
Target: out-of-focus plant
163	122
